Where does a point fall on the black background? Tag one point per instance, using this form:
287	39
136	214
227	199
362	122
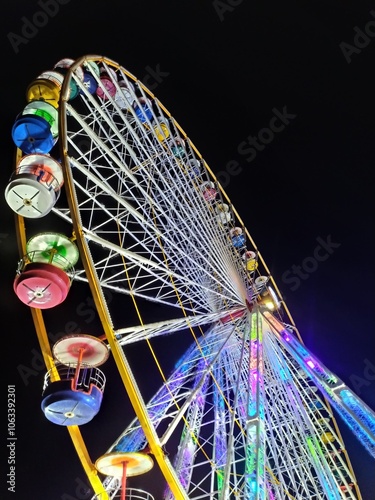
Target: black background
222	69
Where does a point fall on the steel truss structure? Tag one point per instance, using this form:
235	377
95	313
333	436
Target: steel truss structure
247	412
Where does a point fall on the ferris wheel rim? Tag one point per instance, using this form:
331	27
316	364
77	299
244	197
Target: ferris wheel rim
224	206
207	287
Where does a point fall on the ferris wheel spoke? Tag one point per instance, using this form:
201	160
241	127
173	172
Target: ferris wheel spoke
169	244
152	267
144	243
207	224
138	333
172	401
205	227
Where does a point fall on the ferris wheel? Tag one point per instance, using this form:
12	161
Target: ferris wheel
243	410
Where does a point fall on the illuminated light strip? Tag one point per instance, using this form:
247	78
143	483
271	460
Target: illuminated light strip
359	417
254	467
329	487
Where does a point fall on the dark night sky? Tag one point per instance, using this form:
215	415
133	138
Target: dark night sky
224	69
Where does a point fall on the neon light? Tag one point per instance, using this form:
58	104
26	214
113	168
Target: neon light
316	451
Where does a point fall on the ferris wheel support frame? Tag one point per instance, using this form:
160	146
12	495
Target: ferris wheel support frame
302	415
123	367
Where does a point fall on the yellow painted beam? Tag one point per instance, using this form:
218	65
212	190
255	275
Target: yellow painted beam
88	466
48	358
101	307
